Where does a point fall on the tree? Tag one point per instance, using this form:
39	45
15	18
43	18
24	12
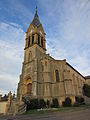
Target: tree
86	90
48	103
55	103
79	100
67	102
42	103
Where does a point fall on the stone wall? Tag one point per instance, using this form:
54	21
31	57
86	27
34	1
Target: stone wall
3	107
87	81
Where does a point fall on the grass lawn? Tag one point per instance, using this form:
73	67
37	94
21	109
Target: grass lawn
61	109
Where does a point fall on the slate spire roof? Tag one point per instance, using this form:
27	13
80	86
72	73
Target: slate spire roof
36	21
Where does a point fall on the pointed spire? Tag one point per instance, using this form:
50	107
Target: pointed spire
36	21
36	8
36	15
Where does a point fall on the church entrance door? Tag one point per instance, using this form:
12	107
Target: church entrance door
28	85
29	88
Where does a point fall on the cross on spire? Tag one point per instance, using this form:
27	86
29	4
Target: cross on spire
36	10
36	7
36	21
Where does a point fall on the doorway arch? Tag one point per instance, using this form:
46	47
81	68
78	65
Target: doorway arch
28	85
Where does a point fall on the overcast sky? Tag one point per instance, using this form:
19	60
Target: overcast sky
67	27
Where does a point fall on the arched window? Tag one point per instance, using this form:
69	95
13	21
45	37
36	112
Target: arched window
42	67
42	41
32	39
57	75
38	39
29	42
45	63
29	56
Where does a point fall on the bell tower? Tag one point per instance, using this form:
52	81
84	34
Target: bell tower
35	34
35	47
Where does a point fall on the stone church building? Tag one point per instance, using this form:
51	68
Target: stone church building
43	76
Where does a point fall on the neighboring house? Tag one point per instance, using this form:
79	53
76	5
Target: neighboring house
87	80
3	102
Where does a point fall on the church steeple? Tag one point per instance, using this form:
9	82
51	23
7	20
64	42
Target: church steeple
36	21
35	33
36	12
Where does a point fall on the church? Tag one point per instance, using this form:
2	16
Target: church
43	76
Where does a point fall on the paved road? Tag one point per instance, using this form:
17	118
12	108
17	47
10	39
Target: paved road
69	115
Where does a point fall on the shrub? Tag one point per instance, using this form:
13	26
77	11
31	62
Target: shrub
33	104
42	103
76	104
55	103
67	102
48	103
86	90
79	100
82	100
27	102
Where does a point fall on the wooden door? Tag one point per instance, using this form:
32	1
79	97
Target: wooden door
29	88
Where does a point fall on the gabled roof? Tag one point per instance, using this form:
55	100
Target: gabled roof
75	70
87	77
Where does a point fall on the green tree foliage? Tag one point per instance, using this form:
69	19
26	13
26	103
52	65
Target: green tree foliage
79	99
4	98
55	103
67	102
48	103
42	103
86	90
34	103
